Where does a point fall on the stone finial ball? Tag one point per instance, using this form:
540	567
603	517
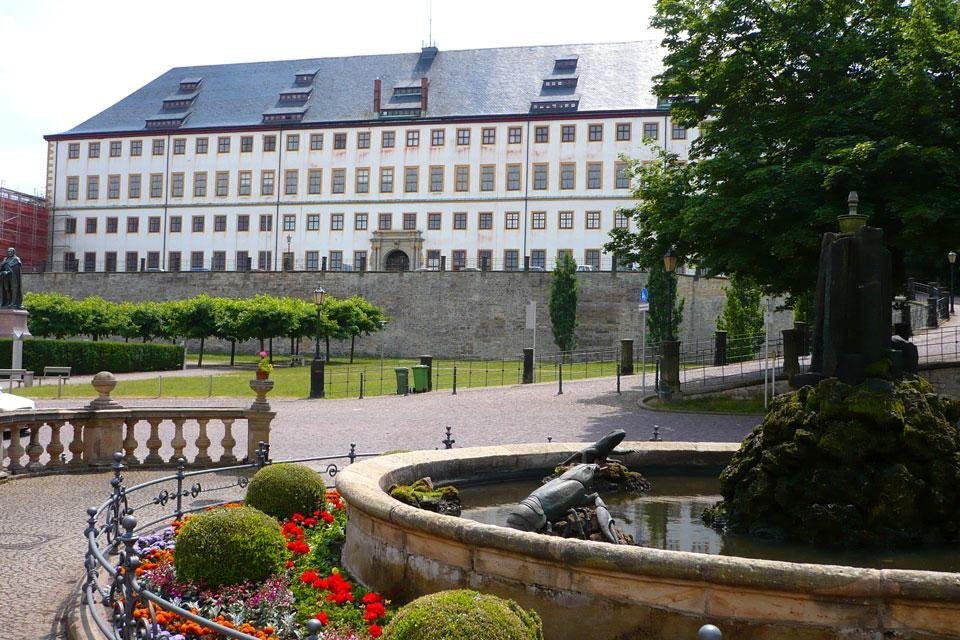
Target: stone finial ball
105	380
709	632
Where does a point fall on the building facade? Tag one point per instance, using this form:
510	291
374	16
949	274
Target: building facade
479	159
23	226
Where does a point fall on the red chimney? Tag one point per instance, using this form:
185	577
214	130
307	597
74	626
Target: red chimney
376	95
423	95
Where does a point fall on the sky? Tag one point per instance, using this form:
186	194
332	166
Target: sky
64	61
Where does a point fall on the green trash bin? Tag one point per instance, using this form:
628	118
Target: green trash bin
402	376
421	377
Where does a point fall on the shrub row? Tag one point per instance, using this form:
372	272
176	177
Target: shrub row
92	357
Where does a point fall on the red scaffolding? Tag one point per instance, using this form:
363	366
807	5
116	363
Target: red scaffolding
23	225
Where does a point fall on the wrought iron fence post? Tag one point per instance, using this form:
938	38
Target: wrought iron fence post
454	380
353	452
90	562
361	385
448	441
263	454
618	379
127	575
560	381
117	500
181	465
313	626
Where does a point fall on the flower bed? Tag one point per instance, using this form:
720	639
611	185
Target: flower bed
311	587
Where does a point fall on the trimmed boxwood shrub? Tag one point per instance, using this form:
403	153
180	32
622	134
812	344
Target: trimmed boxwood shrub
452	615
229	545
282	490
91	357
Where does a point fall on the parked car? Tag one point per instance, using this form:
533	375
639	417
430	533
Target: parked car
586	267
537	269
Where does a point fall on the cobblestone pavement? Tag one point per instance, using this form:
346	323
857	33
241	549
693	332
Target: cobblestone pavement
42	519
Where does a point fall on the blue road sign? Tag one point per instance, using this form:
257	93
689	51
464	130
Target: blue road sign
644	295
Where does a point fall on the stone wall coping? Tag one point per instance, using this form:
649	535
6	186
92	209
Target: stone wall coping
121	413
363	486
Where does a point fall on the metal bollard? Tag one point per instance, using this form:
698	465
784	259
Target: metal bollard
159	386
210	387
361	385
454	380
618	379
709	632
60	387
560	381
448	441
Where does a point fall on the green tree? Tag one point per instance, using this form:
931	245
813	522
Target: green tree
661	287
99	318
266	317
563	302
52	314
195	318
227	324
742	319
356	316
150	320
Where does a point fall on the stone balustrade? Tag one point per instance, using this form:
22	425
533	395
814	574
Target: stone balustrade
65	440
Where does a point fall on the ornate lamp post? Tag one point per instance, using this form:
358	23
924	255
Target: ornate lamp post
669	265
317	367
951	258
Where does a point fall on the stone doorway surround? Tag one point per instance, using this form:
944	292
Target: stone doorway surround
383	243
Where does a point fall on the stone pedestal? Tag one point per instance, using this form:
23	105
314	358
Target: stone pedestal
626	357
13	324
259	417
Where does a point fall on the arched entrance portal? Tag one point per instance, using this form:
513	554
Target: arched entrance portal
397	260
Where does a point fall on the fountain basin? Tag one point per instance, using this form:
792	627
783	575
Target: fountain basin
607	591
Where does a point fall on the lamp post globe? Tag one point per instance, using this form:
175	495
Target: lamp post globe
317	366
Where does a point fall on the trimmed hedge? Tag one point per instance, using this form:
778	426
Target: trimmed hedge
92	357
283	489
451	615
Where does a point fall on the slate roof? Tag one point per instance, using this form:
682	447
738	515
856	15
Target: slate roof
471	82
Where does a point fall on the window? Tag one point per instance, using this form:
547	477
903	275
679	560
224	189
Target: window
514	135
90	225
463	136
623	175
136	147
264	260
362	180
133	186
289	222
565	220
293	142
595	132
568	175
222	183
223	144
488	135
266	183
314	181
436	179
173	261
243	261
411	179
312	260
269	143
116	147
73	187
437	137
413	137
651	130
90	261
156	185
339	141
176	185
511	259
623	131
158	146
197	224
541	134
200	184
69	261
360	260
433	258
316	143
540	179
336	260
196	260
677	132
338	180
488	177
266	222
593	219
460	220
568	133
201	145
562	252
385	222
70	225
409	222
73	150
485	220
485	259
290	180
360	221
336	222
93	150
620	220
461	178
220	223
592	257
153	259
433	221
388	139
246	144
459	259
110	261
179	147
243	222
594	175
176	224
131	259
113	186
386	179
313	222
538	219
363	139
219	261
513	177
93	187
112	223
512	220
244	183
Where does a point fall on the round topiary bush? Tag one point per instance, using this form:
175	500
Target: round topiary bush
281	490
455	615
228	546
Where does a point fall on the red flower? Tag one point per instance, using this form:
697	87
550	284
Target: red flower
374	610
310	522
372	596
290	564
322	617
375	631
307	577
298	547
326	517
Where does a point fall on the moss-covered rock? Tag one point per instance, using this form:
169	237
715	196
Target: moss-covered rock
876	464
229	546
282	490
611	477
422	495
463	615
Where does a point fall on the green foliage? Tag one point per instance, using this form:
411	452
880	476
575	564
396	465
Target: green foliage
194	318
563	302
742	319
92	357
662	286
265	317
355	316
99	318
229	546
282	490
451	615
52	314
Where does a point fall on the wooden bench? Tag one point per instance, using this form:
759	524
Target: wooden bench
59	372
20	376
296	361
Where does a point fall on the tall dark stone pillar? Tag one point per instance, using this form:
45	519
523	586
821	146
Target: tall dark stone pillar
528	366
791	353
720	348
669	368
803	338
626	357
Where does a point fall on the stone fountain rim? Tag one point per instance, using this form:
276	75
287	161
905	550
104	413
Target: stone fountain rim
363	485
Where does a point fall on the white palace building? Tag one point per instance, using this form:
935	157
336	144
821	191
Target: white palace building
474	159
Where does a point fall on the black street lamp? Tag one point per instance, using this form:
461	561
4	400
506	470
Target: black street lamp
317	367
951	258
669	266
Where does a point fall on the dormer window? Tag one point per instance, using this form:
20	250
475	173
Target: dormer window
546	106
566	64
190	84
294	95
173	104
561	83
305	77
408	90
165	122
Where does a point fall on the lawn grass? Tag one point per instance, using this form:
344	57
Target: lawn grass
710	404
